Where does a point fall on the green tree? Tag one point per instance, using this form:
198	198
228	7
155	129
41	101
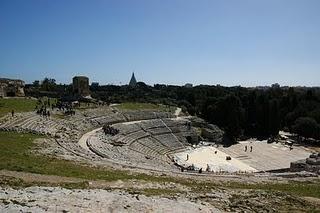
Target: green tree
233	116
306	127
48	84
274	117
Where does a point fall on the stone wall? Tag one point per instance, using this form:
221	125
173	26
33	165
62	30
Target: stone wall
11	87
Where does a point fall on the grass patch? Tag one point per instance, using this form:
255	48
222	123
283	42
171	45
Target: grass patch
13	182
155	192
77	185
301	189
17	183
310	189
145	106
45	101
16	104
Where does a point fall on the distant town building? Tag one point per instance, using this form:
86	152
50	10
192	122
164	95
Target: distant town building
11	87
188	85
133	81
80	86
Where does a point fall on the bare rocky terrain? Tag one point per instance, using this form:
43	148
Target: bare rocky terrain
56	199
27	192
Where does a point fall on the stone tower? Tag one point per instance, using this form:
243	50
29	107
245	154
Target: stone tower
133	81
81	86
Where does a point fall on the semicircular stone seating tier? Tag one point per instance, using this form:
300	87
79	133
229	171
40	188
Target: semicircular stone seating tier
152	137
31	122
156	136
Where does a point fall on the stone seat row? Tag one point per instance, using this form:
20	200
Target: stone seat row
159	130
106	120
32	123
125	129
146	151
145	115
155	145
96	146
170	122
154	123
130	138
16	119
169	140
75	148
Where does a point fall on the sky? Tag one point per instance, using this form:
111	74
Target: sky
226	42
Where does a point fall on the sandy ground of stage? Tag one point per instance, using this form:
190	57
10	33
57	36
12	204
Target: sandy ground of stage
263	157
266	156
213	158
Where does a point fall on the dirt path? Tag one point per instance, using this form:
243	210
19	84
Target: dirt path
83	140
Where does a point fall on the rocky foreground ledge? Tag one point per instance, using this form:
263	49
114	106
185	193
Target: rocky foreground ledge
56	199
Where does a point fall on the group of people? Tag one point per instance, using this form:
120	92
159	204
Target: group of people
110	130
43	112
66	107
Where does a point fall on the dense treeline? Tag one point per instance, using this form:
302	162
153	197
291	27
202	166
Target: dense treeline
47	87
239	111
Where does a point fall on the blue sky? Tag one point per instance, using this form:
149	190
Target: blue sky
227	42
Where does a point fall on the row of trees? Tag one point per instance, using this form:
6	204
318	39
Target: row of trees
47	87
239	111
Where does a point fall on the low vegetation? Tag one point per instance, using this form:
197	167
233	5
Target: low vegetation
16	104
24	104
303	189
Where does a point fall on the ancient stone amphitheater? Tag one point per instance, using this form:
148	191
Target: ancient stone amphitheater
146	139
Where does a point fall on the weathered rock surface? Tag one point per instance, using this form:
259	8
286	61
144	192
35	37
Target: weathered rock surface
55	199
310	164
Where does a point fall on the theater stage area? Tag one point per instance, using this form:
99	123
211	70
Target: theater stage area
263	157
